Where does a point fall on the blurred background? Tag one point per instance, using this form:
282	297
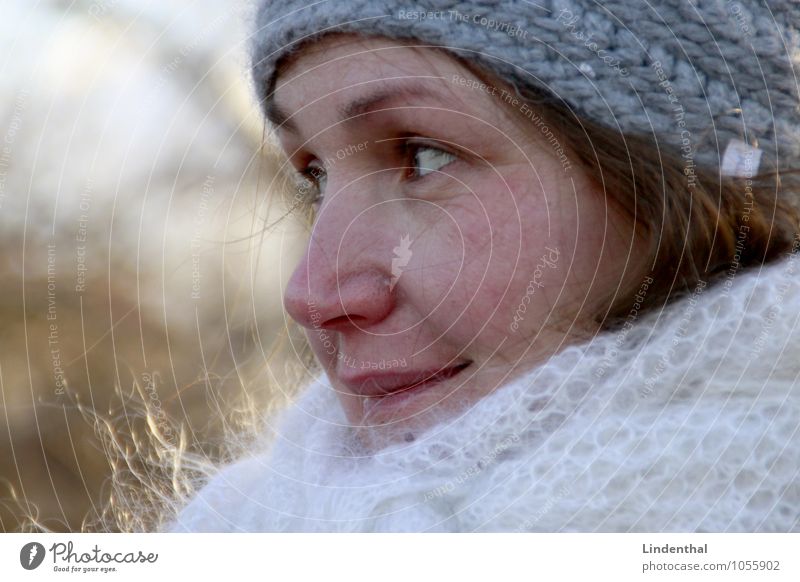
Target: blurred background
142	260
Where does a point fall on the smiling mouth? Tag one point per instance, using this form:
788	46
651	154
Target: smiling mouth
390	384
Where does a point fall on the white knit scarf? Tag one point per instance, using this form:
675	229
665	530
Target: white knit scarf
686	419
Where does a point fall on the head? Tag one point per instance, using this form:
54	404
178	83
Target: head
465	230
453	246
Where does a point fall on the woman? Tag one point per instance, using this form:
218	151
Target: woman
551	279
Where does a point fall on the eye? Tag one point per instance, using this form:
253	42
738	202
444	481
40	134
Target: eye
425	159
311	182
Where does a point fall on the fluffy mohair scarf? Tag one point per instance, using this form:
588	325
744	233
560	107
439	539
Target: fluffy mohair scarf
684	419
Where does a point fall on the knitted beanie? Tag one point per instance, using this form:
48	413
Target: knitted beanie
713	80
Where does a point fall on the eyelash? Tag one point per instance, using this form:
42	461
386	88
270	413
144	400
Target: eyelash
409	149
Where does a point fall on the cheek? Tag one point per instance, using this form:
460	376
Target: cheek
534	240
577	247
525	249
473	268
521	244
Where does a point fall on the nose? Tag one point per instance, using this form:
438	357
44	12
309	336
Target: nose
345	288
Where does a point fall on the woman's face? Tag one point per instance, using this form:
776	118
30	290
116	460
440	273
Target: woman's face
454	245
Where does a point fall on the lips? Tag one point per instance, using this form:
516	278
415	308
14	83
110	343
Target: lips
389	383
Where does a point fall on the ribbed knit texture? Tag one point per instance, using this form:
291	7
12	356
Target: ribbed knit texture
725	67
688	420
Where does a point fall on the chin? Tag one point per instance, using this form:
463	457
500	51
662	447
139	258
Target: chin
402	417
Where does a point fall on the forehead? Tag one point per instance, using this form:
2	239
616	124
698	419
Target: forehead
354	58
340	74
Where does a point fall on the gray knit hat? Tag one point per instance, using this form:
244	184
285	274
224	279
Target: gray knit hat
708	77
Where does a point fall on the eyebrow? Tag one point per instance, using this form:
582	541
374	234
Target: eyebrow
370	102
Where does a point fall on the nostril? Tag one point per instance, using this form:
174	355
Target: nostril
345	301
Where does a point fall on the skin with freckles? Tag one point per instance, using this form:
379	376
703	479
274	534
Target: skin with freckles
449	236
